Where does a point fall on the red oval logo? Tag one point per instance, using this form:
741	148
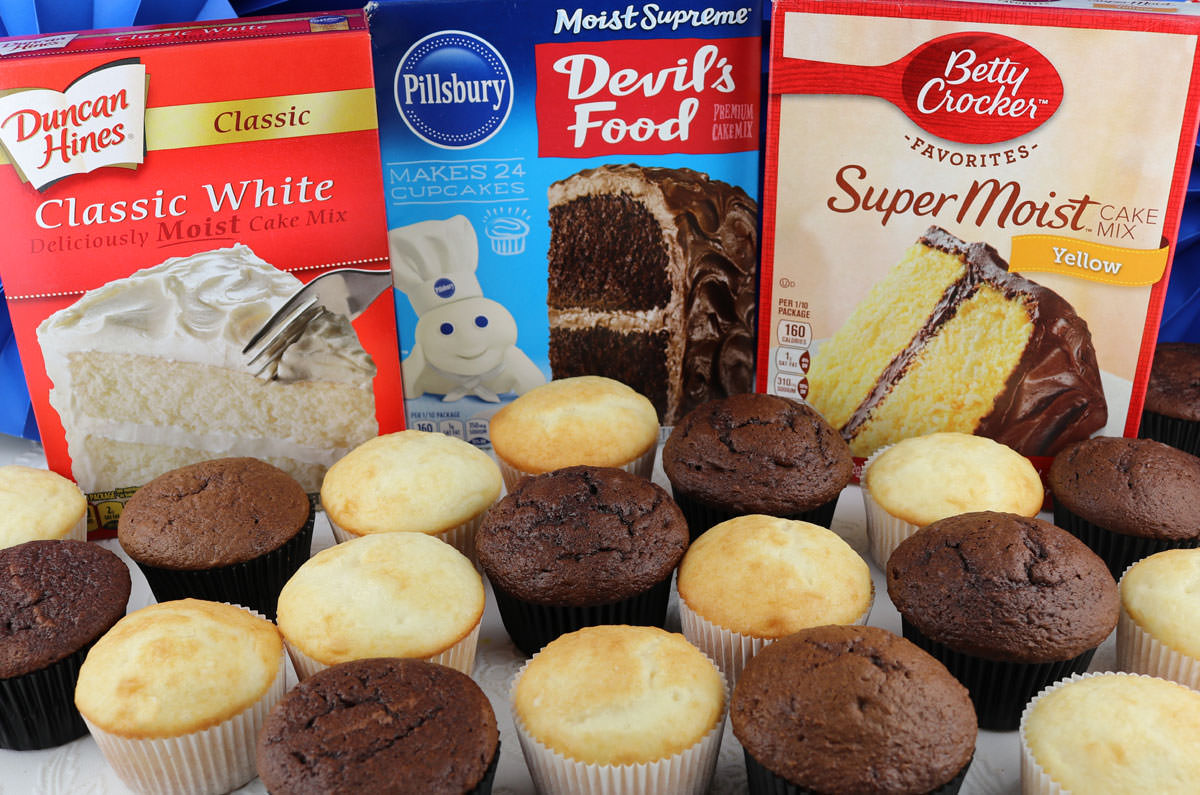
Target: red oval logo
979	88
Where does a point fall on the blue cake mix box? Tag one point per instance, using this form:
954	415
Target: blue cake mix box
570	189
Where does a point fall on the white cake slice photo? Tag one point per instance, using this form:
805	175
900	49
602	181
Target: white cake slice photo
148	375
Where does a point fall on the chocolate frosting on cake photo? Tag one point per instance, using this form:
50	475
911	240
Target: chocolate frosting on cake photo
651	281
951	340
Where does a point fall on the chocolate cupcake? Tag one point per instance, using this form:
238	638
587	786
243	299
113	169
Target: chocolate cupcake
56	599
381	725
226	530
1171	414
755	453
1008	603
1127	498
581	546
850	709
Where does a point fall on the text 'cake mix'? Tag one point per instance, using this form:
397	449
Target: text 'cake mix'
571	190
969	214
165	190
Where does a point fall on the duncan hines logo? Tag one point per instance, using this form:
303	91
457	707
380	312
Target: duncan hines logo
978	88
99	120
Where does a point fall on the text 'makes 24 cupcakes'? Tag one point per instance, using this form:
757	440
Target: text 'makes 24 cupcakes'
755	453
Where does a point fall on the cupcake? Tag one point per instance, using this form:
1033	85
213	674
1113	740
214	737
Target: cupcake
381	725
1111	734
588	420
1158	632
851	709
1007	603
620	709
56	599
1171	414
1127	498
754	579
176	693
39	504
581	546
386	595
225	530
755	454
920	480
411	481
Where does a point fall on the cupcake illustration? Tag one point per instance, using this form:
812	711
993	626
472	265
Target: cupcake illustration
506	233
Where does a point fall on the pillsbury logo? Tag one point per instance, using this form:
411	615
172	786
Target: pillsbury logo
453	89
443	288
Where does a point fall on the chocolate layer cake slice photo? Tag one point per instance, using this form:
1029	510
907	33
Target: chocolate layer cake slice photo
651	281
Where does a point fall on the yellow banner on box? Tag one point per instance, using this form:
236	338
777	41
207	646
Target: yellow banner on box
1083	259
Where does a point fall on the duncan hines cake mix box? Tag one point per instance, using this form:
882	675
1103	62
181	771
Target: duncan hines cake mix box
969	215
571	189
165	189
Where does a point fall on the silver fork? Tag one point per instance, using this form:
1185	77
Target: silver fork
347	291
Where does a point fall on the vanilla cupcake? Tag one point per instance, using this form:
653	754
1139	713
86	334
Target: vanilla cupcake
919	480
1158	632
751	580
1111	734
583	420
620	709
37	504
411	481
176	693
387	595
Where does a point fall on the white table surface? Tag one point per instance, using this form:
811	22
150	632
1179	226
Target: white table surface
79	768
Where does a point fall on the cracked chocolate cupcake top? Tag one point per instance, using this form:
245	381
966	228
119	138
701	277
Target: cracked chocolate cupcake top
211	514
1137	487
55	598
757	453
1003	587
844	709
379	725
581	536
1174	386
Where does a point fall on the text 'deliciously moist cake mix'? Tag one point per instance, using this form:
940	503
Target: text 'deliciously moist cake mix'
571	190
969	214
165	191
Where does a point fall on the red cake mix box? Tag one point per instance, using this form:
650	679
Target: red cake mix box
165	190
969	214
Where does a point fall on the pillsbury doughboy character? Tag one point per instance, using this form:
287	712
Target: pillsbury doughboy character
464	344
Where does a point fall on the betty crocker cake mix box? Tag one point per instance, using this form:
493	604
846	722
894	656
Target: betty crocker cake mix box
165	189
969	213
571	189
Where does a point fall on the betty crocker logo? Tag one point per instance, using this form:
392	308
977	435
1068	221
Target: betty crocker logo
973	88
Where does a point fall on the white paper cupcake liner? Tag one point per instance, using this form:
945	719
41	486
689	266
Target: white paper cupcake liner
460	656
728	649
688	772
210	761
1140	652
642	466
78	531
461	537
884	531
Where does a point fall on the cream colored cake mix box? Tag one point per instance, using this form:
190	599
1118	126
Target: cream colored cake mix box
165	189
969	214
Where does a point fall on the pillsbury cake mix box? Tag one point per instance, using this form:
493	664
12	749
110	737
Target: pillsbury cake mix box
970	213
165	190
571	189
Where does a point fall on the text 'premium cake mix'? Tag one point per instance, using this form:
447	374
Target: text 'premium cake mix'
165	190
969	214
571	190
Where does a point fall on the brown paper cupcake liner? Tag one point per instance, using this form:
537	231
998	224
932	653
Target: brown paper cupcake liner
37	709
763	782
254	583
1118	550
1181	434
701	517
531	626
999	690
484	787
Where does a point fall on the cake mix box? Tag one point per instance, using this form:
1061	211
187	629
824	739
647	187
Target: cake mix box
970	211
165	190
571	189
